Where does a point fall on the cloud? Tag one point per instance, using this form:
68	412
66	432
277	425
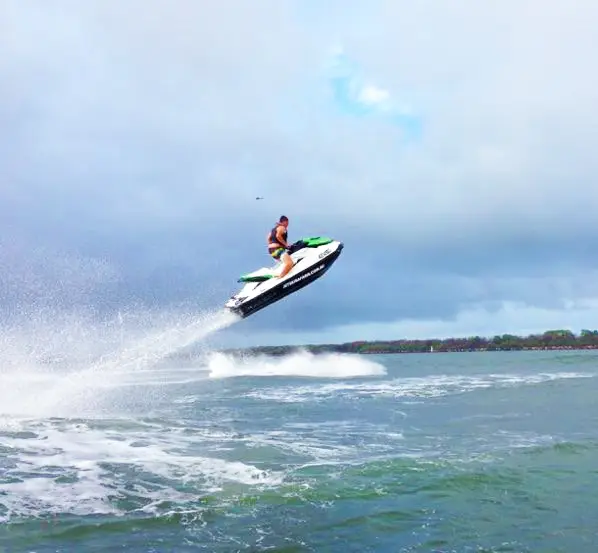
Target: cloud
478	320
356	96
451	148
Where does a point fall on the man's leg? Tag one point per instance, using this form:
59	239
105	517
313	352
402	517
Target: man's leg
288	264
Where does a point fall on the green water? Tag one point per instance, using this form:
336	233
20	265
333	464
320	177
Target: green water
473	452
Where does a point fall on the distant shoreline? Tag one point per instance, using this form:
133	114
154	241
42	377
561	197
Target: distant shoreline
551	340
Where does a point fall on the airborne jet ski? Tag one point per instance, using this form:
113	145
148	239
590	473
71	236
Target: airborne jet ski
312	257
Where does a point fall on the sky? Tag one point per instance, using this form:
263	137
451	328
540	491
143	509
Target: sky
449	145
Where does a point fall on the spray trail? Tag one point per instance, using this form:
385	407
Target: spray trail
156	347
65	392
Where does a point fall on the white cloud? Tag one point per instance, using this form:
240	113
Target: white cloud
374	95
510	318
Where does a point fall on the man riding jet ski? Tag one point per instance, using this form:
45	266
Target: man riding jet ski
301	263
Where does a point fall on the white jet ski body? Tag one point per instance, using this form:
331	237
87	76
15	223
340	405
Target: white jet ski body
312	257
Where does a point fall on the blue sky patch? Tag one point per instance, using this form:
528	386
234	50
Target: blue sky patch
355	96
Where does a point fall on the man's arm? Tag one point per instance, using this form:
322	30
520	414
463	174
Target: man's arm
280	238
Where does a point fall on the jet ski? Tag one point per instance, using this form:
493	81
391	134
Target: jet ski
312	257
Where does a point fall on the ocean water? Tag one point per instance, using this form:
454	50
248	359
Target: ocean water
457	452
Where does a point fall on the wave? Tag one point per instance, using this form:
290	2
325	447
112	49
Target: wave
301	364
80	467
416	388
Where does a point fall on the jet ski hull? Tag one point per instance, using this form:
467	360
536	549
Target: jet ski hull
256	296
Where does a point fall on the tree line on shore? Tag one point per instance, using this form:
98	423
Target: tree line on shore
549	340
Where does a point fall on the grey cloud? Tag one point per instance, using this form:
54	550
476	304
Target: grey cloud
139	135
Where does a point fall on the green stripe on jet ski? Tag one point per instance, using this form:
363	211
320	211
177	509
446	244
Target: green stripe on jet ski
316	241
255	278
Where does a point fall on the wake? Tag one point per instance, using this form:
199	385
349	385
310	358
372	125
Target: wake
301	364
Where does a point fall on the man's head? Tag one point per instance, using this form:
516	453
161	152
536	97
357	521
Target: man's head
284	221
